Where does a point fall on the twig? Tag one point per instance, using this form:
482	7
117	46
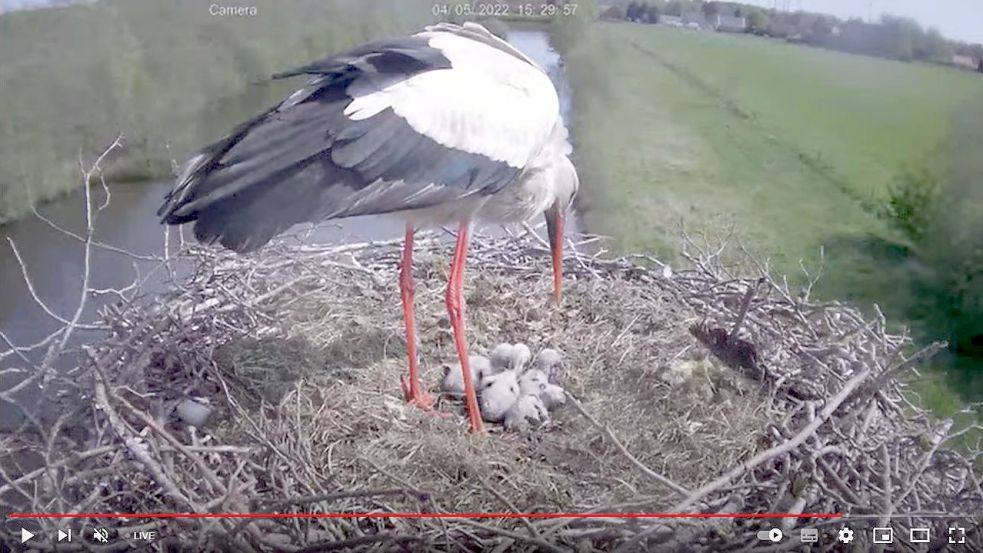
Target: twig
89	233
624	451
505	500
542	544
37	299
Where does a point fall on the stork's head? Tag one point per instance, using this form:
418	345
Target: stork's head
565	185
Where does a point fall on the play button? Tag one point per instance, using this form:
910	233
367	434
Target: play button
25	535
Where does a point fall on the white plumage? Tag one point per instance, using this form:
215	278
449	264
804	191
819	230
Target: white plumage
453	381
487	103
510	357
528	409
499	392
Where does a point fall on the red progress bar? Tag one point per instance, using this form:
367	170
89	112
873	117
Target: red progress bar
427	515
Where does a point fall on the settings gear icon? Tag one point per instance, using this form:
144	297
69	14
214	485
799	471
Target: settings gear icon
845	535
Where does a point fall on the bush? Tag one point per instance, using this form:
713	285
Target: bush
953	243
912	200
941	212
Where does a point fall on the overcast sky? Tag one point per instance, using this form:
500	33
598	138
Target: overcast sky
959	19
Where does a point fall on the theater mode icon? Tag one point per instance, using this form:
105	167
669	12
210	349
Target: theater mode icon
919	535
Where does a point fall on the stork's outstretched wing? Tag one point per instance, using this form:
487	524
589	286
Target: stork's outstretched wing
394	125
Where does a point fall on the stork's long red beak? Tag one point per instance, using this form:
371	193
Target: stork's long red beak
554	228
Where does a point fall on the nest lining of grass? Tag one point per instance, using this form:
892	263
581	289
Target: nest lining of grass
699	391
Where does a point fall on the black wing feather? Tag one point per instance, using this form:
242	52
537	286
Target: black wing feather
304	160
407	55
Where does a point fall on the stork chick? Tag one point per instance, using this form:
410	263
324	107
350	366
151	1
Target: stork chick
553	396
535	382
528	409
500	357
453	381
510	357
532	381
520	357
498	393
547	360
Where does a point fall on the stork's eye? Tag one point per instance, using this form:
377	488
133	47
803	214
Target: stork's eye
512	389
542	387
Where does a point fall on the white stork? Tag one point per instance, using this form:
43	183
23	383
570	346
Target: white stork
449	125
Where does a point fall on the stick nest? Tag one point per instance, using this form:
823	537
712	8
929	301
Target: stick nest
701	391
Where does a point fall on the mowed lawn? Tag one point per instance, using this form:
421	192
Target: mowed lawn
793	147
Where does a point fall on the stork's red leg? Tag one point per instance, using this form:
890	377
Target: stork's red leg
411	389
455	312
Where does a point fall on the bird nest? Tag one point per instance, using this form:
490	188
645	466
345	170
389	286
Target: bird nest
697	391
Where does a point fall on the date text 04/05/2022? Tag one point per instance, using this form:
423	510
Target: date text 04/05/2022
501	10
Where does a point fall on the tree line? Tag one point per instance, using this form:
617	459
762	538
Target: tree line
892	37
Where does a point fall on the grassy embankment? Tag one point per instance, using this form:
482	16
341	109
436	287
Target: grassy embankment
167	74
797	148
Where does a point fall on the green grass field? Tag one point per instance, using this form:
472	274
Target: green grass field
793	149
795	145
